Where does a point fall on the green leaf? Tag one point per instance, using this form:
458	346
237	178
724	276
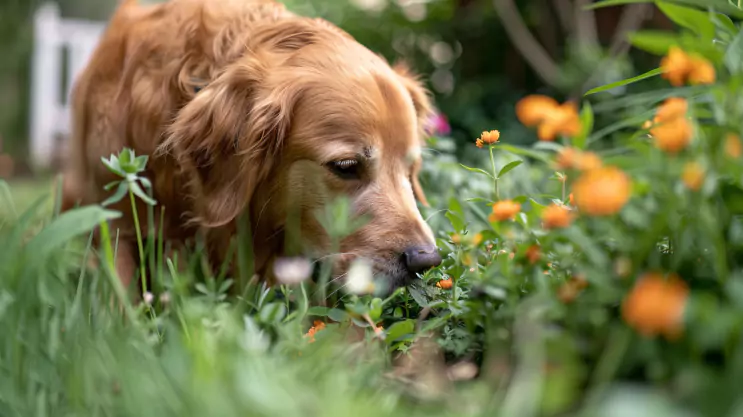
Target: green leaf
318	311
273	313
509	166
7	198
477	170
526	152
628	81
418	296
338	315
145	182
111	185
141	162
719	5
734	55
375	309
113	165
139	193
723	22
118	195
399	330
126	156
586	121
659	42
653	41
455	214
694	20
66	227
477	200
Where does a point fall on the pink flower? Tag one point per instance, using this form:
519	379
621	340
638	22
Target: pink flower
438	124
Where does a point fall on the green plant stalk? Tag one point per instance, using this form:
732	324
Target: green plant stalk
110	265
607	365
151	245
143	272
160	247
495	174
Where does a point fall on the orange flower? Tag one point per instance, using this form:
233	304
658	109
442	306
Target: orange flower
588	161
679	67
532	110
570	289
556	216
478	143
693	176
316	327
550	118
580	281
702	72
672	131
490	137
571	158
733	147
533	254
673	136
476	239
602	192
656	305
675	66
672	108
566	158
445	284
504	210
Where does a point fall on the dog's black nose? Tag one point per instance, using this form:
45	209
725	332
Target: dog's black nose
420	258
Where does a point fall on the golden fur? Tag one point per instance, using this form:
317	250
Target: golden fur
281	97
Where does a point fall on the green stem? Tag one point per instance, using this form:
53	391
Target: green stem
142	268
110	266
495	174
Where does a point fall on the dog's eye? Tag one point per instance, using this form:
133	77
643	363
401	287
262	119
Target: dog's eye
347	169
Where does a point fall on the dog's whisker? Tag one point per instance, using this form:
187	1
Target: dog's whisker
333	254
260	213
434	213
336	291
279	230
331	282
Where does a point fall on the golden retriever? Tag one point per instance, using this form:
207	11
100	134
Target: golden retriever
247	108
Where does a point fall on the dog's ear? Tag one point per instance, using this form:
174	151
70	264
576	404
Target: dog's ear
227	139
418	93
424	111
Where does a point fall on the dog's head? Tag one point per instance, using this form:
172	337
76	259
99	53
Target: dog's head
309	115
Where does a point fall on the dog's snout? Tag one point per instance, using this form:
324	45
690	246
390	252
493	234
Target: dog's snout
420	258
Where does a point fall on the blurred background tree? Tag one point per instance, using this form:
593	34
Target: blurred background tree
477	56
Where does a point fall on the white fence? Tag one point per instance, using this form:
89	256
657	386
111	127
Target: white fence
62	48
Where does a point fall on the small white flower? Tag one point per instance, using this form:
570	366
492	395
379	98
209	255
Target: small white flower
165	298
291	271
148	297
360	278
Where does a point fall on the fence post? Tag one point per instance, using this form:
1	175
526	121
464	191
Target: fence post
45	83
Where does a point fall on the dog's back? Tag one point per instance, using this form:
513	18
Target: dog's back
141	73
